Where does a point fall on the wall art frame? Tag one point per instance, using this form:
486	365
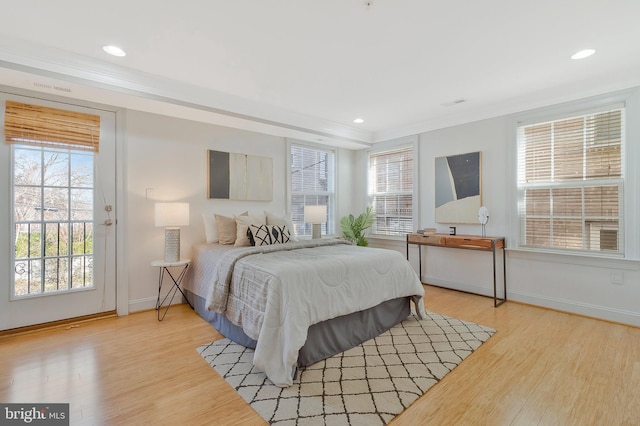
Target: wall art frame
458	188
233	176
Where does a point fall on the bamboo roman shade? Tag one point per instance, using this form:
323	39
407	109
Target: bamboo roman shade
50	127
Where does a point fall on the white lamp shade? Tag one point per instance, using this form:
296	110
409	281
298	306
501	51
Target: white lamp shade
315	214
172	214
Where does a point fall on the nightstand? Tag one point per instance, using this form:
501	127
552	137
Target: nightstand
165	267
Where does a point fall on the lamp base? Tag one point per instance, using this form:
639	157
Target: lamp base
316	231
171	244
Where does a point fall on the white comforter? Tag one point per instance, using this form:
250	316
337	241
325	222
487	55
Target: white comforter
305	283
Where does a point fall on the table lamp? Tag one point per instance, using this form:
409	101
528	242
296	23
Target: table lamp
172	216
315	215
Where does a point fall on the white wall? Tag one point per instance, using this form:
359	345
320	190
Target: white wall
169	155
345	181
571	283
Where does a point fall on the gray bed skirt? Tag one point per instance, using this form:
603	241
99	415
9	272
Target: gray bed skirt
326	338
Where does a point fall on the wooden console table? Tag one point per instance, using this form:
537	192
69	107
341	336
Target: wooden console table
467	242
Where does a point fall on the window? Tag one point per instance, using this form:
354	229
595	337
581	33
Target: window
570	183
312	183
53	184
391	190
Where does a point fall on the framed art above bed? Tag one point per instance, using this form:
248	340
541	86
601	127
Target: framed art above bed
234	176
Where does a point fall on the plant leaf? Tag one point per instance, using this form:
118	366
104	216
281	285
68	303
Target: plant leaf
353	228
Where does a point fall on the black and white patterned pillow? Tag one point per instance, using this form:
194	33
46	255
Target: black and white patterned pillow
262	235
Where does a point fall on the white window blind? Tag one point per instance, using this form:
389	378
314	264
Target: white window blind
570	183
312	183
391	190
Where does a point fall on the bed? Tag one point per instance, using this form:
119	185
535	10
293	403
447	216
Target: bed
300	302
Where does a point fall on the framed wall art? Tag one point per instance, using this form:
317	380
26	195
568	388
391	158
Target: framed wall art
458	188
239	176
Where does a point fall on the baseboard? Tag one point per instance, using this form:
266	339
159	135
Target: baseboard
466	287
142	304
148	303
564	305
571	306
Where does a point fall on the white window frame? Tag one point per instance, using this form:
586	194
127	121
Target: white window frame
328	228
630	99
397	144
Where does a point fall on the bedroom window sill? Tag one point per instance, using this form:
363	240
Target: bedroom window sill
575	259
308	237
387	237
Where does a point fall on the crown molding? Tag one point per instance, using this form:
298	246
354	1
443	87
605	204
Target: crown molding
26	57
514	106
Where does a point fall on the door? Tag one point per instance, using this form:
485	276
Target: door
57	215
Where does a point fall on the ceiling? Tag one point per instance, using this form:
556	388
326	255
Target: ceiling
306	69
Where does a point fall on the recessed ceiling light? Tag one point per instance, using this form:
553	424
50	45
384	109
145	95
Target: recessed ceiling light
358	120
583	54
114	50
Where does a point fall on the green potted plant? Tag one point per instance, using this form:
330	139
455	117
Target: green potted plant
353	228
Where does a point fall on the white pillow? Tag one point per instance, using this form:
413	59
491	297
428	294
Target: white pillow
242	225
210	227
281	220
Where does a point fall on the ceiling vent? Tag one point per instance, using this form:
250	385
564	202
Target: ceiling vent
42	85
46	86
452	103
62	89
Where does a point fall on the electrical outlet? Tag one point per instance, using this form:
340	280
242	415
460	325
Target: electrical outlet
149	194
617	277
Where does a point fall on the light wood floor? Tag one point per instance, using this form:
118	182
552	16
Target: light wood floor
540	368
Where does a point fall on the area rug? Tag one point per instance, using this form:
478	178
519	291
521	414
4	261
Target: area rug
367	385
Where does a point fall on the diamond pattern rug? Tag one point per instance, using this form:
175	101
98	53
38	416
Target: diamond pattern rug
367	385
